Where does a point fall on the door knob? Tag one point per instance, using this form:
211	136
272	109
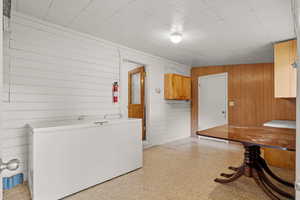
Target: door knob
12	165
223	112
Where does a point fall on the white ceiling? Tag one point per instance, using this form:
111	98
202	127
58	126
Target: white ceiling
215	31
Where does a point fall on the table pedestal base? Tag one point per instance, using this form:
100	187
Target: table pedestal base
254	166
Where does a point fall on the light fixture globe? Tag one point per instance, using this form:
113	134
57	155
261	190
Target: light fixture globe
176	37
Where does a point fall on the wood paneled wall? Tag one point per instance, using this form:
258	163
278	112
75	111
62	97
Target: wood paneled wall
251	87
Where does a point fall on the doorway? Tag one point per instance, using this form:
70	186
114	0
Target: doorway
136	96
212	91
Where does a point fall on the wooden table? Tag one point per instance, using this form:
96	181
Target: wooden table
254	166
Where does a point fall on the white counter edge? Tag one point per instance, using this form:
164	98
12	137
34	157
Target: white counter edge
38	127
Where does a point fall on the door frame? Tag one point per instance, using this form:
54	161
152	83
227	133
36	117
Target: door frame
128	59
225	74
139	70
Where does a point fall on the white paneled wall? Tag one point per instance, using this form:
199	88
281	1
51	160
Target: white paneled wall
53	73
170	120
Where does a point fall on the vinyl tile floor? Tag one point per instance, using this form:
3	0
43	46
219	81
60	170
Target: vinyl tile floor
181	170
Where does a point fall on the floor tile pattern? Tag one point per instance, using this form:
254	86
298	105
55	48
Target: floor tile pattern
181	170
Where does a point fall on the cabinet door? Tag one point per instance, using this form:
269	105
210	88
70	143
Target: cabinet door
168	86
284	73
281	71
280	158
177	86
293	71
186	88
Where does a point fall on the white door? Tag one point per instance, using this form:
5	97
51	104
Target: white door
1	85
212	91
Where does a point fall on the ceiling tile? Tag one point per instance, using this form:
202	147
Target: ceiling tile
96	13
63	11
229	9
276	17
164	12
35	8
130	18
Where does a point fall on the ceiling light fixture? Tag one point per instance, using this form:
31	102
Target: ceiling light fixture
176	37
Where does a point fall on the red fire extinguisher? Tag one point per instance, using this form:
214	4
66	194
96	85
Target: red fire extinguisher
115	89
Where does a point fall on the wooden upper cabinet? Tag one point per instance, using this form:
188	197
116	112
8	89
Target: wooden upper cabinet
285	54
177	87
